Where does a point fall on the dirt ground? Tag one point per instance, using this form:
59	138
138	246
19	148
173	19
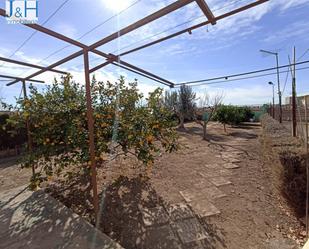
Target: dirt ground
11	175
138	211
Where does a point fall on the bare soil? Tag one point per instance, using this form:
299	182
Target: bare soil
252	214
11	174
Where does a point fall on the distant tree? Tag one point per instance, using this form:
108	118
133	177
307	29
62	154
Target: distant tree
233	115
2	104
247	113
182	103
170	101
209	106
225	114
186	104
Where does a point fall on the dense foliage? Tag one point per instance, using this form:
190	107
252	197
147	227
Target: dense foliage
9	136
233	115
58	120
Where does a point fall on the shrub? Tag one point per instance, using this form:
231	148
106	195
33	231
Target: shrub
10	137
58	121
232	115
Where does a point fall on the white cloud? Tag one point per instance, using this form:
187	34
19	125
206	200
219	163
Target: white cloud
225	33
66	29
252	95
295	31
287	4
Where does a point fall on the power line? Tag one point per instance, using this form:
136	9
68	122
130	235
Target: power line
286	80
242	74
181	24
91	30
144	39
303	54
243	78
287	76
169	29
34	32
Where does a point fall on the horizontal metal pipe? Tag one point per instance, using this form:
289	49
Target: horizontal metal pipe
92	70
129	69
152	17
29	65
144	75
169	83
248	6
79	53
17	79
206	10
164	11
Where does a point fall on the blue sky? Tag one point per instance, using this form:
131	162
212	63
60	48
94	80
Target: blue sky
231	46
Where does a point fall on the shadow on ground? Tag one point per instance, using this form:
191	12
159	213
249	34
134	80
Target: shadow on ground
9	161
75	194
199	131
242	134
122	218
35	220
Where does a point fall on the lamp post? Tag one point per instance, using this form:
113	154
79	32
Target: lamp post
278	79
273	109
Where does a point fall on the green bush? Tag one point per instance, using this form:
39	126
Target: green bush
9	136
233	115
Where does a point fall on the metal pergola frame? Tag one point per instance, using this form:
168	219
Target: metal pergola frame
17	79
115	60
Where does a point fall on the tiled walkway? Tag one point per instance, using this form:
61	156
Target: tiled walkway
181	221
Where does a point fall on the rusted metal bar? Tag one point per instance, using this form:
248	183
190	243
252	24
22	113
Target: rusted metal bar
17	79
169	83
152	17
79	53
164	11
114	58
233	12
92	70
207	12
29	65
29	138
91	136
146	76
129	69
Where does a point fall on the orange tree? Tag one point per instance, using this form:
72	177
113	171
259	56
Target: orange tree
124	123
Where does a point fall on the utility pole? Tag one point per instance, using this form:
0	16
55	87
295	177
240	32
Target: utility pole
307	165
279	91
273	105
294	124
278	79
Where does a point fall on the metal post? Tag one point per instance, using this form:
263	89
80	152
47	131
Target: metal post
91	136
29	138
307	166
273	101
294	122
279	91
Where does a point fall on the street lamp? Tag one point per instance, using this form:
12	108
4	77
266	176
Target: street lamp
278	78
273	85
